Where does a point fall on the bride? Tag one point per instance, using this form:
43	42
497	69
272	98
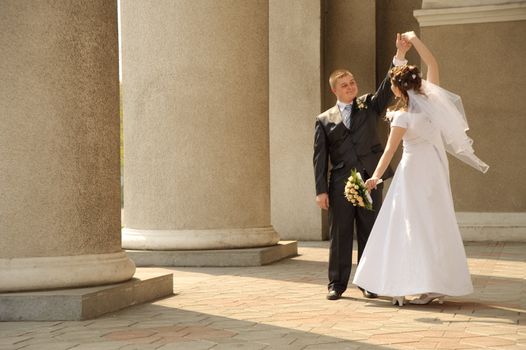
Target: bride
415	245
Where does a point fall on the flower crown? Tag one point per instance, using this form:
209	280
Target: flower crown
405	83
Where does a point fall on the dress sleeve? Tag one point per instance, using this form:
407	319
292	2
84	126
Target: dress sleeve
400	119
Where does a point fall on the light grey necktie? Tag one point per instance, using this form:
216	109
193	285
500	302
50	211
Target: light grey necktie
347	116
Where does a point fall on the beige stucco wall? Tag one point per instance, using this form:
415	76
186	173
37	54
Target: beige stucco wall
484	63
294	84
59	139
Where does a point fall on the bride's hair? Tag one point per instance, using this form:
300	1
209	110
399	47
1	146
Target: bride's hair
405	78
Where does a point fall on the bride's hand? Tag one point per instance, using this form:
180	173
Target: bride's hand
402	44
409	36
371	183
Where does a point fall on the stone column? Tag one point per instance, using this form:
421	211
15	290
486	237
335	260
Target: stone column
349	42
59	146
195	98
308	40
295	100
480	47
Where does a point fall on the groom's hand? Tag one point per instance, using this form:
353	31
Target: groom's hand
323	201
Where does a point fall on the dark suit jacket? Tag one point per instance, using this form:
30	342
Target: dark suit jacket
358	147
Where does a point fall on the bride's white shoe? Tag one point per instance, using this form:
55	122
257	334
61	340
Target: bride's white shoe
427	298
398	300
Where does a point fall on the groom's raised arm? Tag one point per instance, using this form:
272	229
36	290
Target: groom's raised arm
383	95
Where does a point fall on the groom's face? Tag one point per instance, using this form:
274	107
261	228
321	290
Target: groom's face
345	89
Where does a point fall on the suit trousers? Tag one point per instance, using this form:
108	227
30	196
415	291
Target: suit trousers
342	219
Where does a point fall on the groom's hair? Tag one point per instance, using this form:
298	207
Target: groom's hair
337	74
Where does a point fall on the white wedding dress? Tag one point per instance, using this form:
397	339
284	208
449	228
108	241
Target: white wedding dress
415	245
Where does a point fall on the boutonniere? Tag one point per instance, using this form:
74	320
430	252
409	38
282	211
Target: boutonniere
360	104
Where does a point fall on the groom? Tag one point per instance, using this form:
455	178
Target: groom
346	135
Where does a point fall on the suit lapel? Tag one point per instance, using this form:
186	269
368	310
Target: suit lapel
358	116
335	115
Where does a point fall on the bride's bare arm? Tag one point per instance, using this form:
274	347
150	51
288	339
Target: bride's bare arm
395	136
426	55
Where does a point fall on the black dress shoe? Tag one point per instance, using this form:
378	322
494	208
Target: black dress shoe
333	295
367	294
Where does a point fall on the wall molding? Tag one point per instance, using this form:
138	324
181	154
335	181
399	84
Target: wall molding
502	227
472	14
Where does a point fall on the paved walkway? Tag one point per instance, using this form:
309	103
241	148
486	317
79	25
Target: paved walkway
283	306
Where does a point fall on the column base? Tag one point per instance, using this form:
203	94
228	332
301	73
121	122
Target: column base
215	258
82	303
486	226
41	273
229	238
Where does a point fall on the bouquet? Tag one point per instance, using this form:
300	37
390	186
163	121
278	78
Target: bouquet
356	192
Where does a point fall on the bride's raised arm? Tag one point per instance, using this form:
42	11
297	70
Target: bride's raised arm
426	55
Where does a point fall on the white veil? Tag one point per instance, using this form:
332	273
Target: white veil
445	111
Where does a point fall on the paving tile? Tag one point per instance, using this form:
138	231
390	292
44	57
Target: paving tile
136	347
190	345
488	341
100	346
283	306
5	341
335	346
51	346
240	346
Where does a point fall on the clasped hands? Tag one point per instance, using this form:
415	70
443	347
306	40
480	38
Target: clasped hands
322	200
403	41
371	183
